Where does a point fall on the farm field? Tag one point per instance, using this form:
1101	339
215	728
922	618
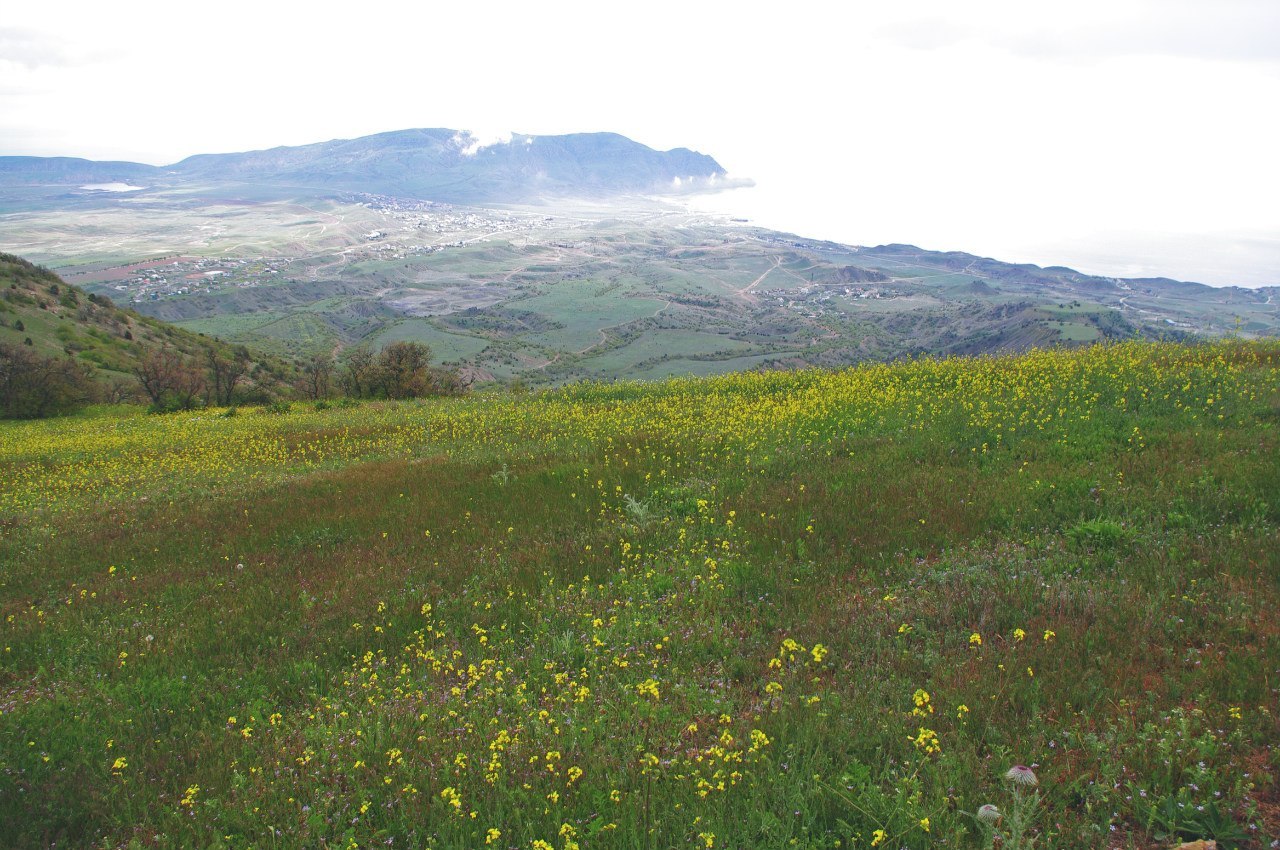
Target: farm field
815	609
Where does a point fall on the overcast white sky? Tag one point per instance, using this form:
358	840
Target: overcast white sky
1123	136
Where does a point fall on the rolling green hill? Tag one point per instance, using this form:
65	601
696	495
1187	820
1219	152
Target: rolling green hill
40	311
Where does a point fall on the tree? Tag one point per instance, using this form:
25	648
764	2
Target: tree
404	370
358	374
225	373
401	370
33	386
170	380
317	377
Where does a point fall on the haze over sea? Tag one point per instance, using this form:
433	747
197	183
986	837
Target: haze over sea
1249	258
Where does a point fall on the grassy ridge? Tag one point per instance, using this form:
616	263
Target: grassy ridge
808	609
40	310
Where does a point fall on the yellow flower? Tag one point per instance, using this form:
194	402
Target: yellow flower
975	639
926	740
1019	634
492	835
924	824
1050	634
878	837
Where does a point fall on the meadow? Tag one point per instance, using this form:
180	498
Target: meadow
813	609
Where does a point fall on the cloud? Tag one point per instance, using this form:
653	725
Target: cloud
31	49
470	143
1227	30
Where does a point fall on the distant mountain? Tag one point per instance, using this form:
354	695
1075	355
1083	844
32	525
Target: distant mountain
430	164
68	170
1028	273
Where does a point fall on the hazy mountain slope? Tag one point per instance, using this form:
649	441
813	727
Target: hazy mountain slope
68	170
433	164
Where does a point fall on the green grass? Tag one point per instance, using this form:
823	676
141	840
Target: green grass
678	367
652	348
1076	332
445	346
233	326
583	308
802	609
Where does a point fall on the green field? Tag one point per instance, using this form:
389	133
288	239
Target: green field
653	349
809	609
583	309
445	346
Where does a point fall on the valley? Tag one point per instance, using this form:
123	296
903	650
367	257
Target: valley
637	287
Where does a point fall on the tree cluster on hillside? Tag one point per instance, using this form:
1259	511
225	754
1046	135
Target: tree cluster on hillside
400	370
64	348
33	386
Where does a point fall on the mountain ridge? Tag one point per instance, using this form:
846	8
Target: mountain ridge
431	163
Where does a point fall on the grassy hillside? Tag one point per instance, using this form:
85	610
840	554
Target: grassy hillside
39	309
812	609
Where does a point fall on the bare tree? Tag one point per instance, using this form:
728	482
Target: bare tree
156	372
225	373
169	379
119	391
33	386
359	378
317	377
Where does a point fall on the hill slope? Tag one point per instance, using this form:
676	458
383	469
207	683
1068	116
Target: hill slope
800	610
41	311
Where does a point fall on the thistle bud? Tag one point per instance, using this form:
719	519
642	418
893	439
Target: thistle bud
1020	774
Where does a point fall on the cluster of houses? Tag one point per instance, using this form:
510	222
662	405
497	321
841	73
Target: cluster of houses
186	276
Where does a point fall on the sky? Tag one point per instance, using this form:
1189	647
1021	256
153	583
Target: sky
1125	137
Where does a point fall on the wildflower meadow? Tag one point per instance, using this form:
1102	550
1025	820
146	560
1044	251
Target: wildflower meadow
1021	601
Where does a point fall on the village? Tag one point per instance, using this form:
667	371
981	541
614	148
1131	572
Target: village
193	275
813	299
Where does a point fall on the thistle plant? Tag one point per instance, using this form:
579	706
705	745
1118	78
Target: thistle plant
1012	824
